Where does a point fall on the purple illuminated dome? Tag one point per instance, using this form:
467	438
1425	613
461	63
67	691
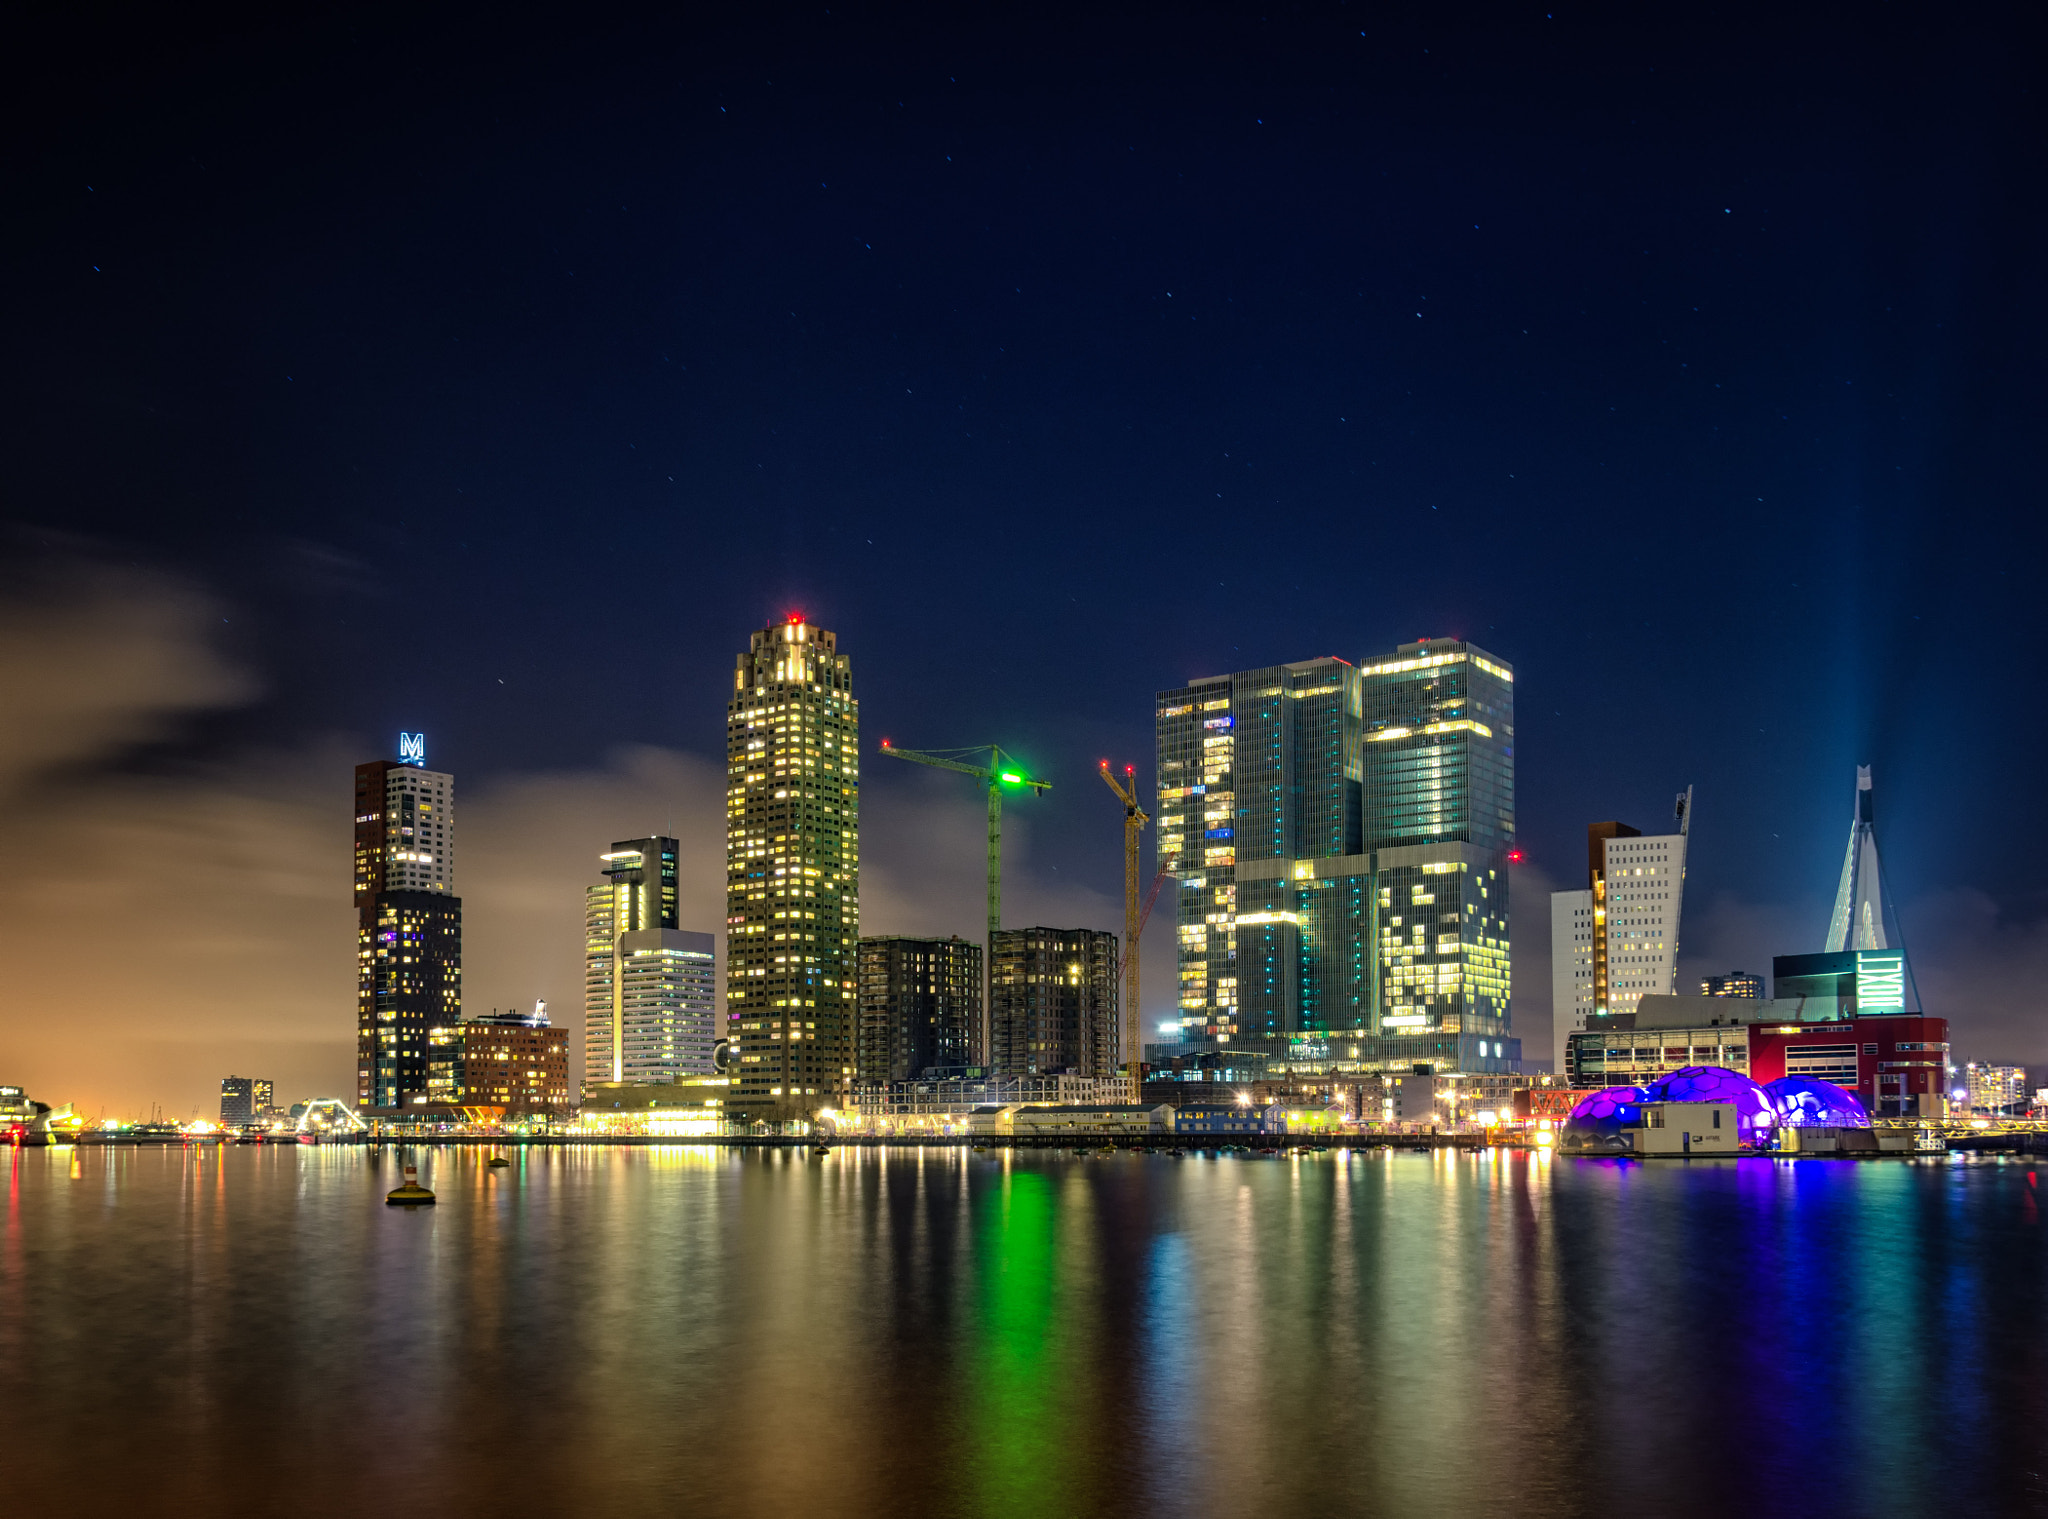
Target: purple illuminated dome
1806	1101
1595	1125
1754	1116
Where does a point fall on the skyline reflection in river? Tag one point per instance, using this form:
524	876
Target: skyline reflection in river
938	1332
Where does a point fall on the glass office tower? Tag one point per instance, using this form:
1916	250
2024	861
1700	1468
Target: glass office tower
1340	835
1259	820
1439	804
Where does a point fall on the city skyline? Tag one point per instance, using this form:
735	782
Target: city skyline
1342	347
1290	492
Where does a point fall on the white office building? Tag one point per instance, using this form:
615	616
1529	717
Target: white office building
1616	942
1571	968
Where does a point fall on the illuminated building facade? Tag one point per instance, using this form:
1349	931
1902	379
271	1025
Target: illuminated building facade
920	1006
244	1099
792	873
408	923
649	988
1055	1002
1341	838
1439	821
514	1061
1637	896
1996	1089
1621	931
1259	821
1736	983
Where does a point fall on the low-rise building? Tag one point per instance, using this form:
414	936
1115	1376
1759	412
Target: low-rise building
1091	1119
1687	1128
1896	1063
1737	983
1996	1089
690	1105
515	1062
943	1098
1229	1118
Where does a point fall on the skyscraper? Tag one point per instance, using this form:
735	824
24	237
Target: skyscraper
1259	821
1623	926
1341	836
1638	893
792	872
1439	804
1055	1002
408	923
649	988
920	1006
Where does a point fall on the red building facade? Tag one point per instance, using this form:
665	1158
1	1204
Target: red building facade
1897	1063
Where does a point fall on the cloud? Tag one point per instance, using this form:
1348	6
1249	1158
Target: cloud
96	657
160	931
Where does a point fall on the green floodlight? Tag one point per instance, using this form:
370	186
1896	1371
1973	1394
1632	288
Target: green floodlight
1014	780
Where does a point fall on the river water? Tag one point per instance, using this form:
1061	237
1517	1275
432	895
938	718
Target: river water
689	1331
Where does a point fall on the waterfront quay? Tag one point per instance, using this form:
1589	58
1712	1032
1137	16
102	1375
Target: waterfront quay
2017	1138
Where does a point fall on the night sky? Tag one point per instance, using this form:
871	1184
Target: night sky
445	371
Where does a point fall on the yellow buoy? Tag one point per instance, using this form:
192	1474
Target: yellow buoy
411	1192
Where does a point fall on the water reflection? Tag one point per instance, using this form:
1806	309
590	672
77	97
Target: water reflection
678	1329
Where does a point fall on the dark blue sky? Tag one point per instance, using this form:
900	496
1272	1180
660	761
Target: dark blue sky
502	375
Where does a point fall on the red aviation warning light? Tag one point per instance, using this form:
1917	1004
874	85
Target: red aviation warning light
1514	856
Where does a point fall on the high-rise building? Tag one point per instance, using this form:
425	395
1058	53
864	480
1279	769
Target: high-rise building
1621	931
1737	983
649	988
920	1006
1571	969
1054	1002
792	872
1259	820
1439	823
408	923
1341	835
512	1060
243	1099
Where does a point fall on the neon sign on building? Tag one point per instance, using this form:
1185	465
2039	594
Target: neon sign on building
412	749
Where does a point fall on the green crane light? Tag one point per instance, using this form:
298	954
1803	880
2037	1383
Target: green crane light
1014	780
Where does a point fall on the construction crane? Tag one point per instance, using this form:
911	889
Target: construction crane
1130	1048
1000	771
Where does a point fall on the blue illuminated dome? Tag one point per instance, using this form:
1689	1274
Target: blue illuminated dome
1806	1102
1754	1115
1595	1125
